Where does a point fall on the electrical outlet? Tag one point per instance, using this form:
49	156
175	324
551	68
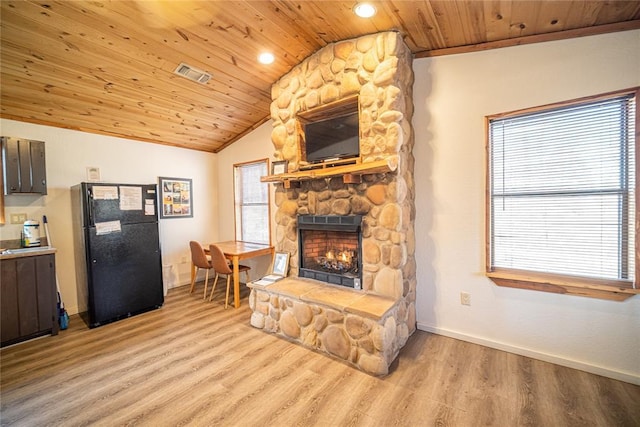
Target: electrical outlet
18	218
183	260
465	298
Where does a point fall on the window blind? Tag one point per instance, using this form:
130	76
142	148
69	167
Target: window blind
252	203
562	190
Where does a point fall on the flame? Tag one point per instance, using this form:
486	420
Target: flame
338	261
345	257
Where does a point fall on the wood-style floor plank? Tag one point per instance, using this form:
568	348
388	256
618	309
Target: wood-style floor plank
194	363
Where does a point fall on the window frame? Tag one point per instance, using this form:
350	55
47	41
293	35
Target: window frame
617	290
238	221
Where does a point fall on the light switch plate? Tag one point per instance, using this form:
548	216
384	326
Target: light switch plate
465	298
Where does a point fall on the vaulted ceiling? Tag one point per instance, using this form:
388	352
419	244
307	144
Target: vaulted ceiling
107	67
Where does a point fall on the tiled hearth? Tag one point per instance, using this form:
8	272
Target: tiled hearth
367	327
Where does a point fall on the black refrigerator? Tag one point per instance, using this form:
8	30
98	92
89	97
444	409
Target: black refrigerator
117	250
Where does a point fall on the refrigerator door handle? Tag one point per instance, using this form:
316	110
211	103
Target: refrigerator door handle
89	207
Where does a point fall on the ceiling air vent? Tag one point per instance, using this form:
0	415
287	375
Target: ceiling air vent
191	73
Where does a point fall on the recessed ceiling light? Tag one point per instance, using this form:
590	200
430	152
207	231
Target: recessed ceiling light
266	58
364	10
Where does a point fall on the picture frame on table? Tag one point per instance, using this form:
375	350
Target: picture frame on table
175	197
279	167
279	269
280	264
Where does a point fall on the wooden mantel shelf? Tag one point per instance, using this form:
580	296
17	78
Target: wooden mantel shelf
350	173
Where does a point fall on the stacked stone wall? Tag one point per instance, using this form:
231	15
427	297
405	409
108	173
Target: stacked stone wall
370	344
376	68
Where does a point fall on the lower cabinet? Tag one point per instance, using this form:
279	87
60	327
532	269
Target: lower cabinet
28	298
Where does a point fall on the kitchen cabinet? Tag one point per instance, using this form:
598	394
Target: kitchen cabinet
28	298
24	166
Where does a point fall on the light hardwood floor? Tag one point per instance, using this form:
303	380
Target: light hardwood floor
195	363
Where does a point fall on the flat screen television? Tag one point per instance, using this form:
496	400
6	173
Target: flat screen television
335	138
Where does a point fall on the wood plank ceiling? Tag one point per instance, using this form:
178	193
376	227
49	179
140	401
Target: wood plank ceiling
107	66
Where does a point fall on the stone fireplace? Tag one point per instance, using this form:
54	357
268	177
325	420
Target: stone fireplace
364	327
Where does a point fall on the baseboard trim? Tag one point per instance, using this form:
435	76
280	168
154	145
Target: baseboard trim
593	369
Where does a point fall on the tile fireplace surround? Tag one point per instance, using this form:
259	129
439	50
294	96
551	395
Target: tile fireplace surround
365	328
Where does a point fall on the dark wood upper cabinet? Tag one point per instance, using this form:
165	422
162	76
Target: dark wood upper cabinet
24	166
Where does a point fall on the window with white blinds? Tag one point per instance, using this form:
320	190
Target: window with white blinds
562	189
251	202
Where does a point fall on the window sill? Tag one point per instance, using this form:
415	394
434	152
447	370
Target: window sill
614	290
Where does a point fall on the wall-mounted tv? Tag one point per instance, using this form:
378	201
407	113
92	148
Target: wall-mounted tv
335	138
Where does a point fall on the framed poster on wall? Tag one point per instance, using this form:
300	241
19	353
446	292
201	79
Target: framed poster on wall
175	196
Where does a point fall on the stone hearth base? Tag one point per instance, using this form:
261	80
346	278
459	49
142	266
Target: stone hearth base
356	327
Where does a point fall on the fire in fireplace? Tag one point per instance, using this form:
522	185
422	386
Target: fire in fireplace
330	249
338	261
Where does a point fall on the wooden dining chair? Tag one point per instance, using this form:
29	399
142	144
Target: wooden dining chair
221	266
199	259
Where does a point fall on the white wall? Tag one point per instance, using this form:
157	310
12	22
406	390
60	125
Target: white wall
68	153
452	95
254	146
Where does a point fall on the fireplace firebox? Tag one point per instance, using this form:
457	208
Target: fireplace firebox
330	249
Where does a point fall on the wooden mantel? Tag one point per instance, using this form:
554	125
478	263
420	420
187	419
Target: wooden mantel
350	173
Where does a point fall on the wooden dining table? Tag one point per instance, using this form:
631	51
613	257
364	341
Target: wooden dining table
235	251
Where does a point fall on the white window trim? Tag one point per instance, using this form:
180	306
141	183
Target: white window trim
235	205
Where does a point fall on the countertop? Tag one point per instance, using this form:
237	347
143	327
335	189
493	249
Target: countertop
25	252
